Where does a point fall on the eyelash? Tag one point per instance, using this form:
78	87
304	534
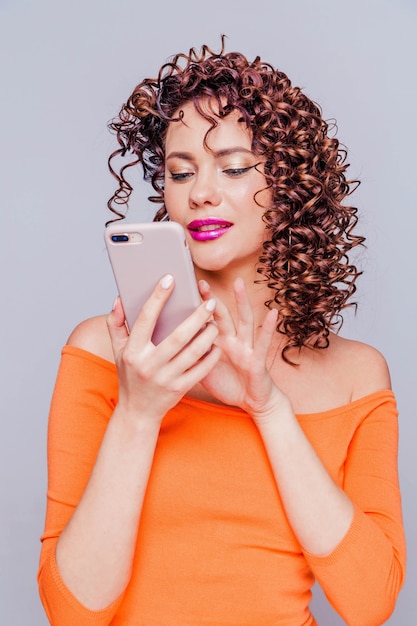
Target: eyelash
238	171
181	176
232	172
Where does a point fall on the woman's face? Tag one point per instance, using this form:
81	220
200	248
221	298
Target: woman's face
210	190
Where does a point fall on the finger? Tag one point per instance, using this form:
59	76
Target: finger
245	323
221	314
199	346
144	326
201	369
205	289
266	334
117	327
187	330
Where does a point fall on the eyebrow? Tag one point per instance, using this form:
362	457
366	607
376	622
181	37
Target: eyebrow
187	156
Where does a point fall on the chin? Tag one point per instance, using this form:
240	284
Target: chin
217	266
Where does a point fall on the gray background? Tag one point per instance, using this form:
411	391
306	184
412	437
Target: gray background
66	67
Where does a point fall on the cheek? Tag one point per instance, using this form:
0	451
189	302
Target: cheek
263	196
240	194
172	196
264	199
253	196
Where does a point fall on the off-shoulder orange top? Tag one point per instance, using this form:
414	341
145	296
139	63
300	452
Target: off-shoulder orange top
214	546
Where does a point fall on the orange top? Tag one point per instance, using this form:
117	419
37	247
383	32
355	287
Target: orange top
214	545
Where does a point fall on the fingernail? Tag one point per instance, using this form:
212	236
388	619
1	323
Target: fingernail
115	303
211	305
167	281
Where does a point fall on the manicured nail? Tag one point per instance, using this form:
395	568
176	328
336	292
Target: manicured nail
167	281
204	284
115	303
211	305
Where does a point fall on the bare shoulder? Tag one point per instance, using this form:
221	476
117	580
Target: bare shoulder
364	366
93	336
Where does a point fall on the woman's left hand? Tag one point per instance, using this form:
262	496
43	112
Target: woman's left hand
318	511
241	377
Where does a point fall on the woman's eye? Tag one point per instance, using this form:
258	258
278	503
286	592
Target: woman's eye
180	176
237	171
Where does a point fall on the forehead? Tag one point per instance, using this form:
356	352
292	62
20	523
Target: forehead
193	128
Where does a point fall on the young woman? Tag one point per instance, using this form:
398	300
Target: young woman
209	480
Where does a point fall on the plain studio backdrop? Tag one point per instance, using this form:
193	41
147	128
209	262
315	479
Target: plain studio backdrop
66	67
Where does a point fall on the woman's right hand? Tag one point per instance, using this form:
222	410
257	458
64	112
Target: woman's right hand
153	378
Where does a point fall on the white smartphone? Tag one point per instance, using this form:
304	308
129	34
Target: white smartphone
140	255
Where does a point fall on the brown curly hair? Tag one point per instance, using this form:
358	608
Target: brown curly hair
305	259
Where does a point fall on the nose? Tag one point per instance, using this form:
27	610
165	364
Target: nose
205	190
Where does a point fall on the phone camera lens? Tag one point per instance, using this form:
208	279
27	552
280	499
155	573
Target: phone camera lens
119	238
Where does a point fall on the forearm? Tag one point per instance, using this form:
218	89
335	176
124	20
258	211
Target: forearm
318	511
95	550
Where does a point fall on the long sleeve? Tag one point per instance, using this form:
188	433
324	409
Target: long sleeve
214	542
363	575
83	401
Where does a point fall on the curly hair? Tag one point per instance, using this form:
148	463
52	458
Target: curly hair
309	231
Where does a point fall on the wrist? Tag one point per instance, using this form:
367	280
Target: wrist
135	420
275	410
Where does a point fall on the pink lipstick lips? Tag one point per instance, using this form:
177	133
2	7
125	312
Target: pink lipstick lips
208	228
